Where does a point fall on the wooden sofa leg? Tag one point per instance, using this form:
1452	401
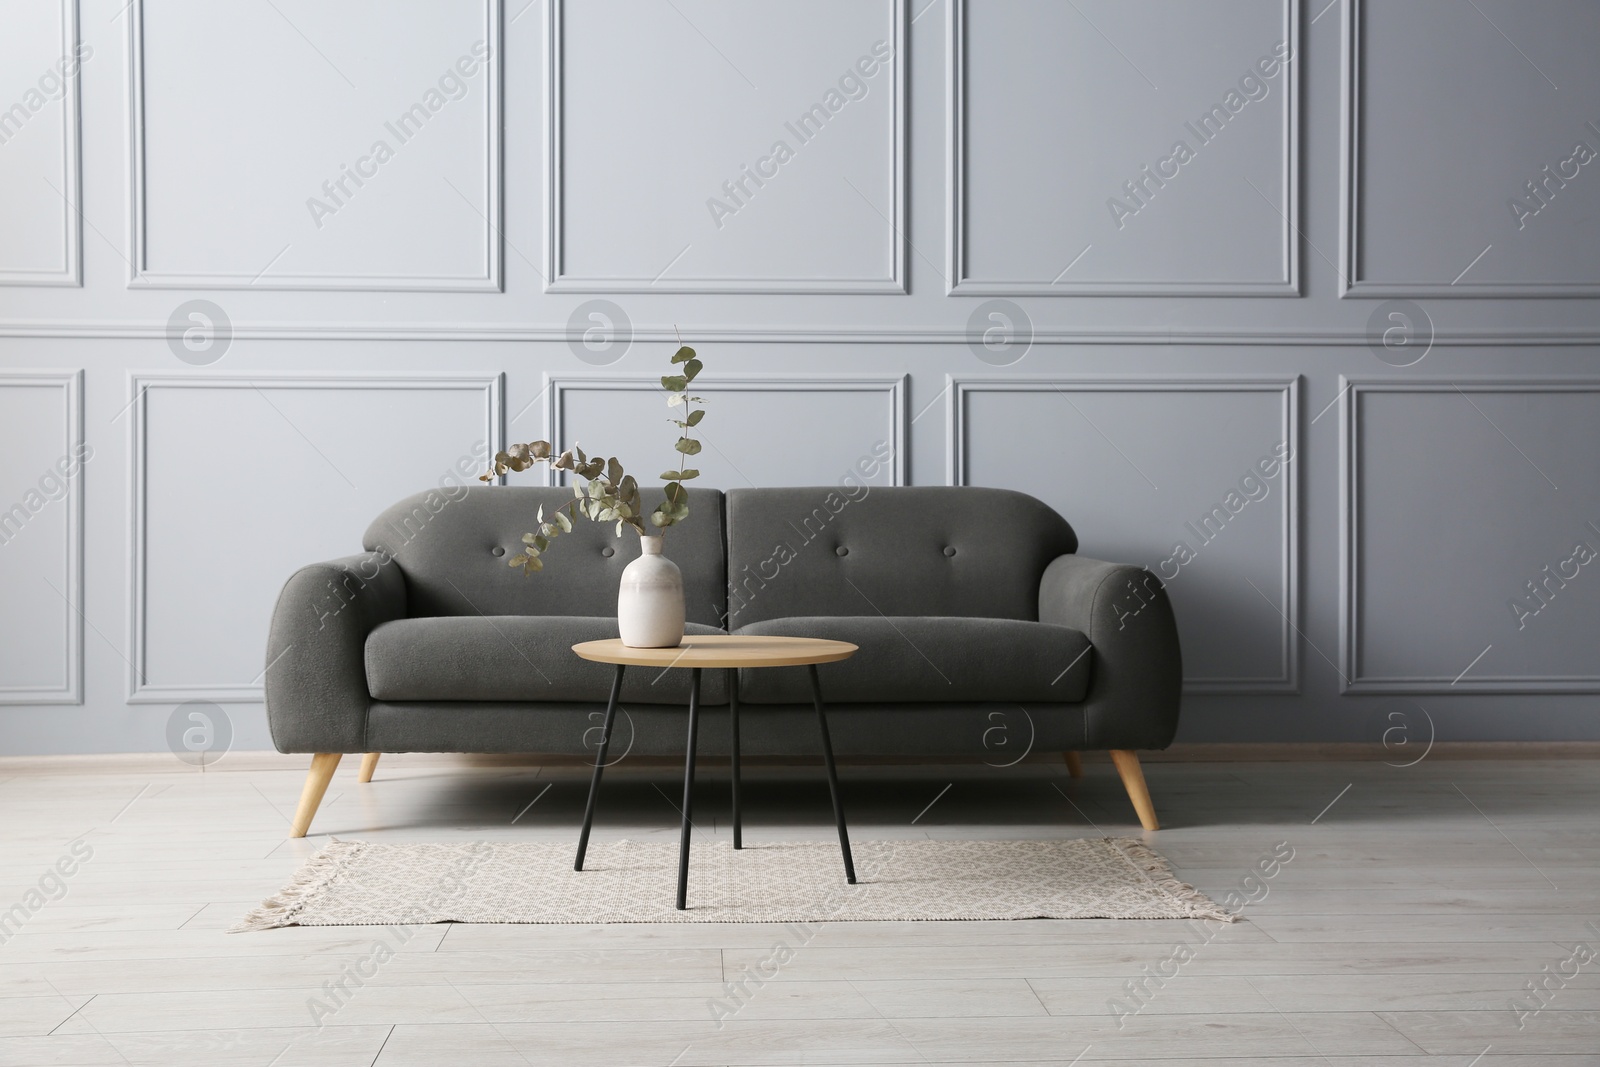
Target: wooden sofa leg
369	763
323	764
1074	764
1127	762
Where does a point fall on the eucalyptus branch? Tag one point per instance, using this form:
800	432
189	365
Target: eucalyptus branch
675	508
608	493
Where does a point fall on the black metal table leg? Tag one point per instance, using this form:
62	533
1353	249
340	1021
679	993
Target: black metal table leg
833	776
688	787
599	766
733	722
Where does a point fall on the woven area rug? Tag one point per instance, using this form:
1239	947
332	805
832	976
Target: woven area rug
356	883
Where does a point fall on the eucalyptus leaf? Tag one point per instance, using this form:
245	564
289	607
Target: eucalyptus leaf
683	355
692	368
685	475
675	382
563	522
688	446
695	417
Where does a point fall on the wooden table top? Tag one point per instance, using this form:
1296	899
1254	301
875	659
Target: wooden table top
721	650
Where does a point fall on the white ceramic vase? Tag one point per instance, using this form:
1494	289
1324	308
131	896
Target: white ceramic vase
650	601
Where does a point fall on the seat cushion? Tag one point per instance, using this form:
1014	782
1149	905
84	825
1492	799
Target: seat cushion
515	658
929	659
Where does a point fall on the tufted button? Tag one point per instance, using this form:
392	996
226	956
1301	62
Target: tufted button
608	551
497	551
949	550
841	551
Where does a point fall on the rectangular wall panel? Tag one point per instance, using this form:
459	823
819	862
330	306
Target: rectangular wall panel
239	481
1195	479
393	180
1469	510
1464	161
689	152
40	60
756	431
42	473
1127	149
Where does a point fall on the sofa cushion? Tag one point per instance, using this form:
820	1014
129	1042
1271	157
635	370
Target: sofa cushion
932	658
515	658
452	545
881	550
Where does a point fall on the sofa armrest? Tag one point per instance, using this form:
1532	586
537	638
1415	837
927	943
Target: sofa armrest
1137	676
316	679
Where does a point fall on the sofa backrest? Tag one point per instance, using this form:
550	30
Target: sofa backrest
446	547
934	550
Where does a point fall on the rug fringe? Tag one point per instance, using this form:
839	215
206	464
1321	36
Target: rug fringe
282	907
1155	868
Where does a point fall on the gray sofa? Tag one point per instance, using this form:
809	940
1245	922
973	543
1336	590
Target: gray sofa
981	632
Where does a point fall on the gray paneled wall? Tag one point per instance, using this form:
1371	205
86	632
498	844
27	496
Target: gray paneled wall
1293	303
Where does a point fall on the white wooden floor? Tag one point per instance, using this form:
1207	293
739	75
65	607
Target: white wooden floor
1412	913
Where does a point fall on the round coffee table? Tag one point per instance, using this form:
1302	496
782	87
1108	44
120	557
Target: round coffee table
730	653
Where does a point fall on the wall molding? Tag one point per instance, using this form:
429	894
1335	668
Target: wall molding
1350	282
140	385
957	282
491	281
1350	637
557	281
78	328
71	385
895	389
71	275
959	387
